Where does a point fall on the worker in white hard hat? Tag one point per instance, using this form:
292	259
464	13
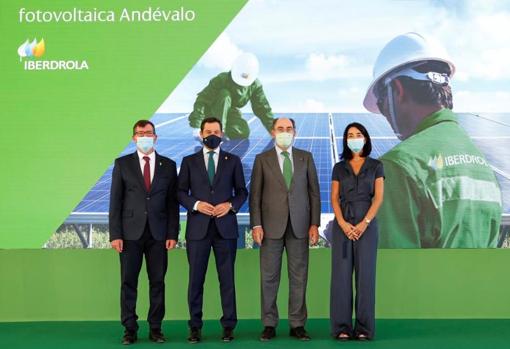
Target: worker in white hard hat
439	189
230	91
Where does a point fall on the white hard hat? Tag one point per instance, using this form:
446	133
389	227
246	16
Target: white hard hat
245	69
399	52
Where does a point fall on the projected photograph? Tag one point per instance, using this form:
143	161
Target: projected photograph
317	70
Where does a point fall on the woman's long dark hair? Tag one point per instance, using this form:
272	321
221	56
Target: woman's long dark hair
367	148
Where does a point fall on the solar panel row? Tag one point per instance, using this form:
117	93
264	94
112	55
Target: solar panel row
175	140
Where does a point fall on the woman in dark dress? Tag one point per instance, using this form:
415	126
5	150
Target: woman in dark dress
356	195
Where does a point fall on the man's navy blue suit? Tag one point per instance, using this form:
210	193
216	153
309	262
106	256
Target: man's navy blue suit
204	232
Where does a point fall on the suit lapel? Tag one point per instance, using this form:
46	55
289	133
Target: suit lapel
157	170
135	167
272	158
299	164
200	163
222	158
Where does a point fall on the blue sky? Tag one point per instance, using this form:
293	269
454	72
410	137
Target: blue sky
317	56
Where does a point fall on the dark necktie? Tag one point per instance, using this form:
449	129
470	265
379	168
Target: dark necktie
210	167
147	173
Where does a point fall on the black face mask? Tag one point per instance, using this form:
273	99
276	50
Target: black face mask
212	141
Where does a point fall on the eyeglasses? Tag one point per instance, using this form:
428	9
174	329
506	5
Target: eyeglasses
146	133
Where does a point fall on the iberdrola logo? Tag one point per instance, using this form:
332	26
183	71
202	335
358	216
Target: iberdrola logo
34	49
31	49
436	162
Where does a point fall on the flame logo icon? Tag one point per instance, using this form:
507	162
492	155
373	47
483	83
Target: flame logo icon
31	49
436	162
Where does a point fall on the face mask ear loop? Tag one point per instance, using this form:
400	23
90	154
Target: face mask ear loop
391	105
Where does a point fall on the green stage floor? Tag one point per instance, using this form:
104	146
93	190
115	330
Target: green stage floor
393	334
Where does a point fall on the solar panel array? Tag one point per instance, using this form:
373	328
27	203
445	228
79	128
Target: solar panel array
175	140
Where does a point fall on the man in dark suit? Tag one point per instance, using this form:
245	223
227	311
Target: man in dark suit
285	209
144	220
212	189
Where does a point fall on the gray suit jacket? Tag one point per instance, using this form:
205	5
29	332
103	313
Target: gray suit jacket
271	203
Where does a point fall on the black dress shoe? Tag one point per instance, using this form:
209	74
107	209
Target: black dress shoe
300	333
268	334
228	334
157	336
129	337
195	335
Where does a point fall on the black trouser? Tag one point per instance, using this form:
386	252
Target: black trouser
156	259
198	252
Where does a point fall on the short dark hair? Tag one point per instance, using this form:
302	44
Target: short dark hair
210	120
143	123
275	120
367	148
426	92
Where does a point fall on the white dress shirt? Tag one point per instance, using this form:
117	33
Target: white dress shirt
281	157
152	162
216	156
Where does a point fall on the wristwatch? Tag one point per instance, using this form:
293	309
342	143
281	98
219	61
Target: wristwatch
367	221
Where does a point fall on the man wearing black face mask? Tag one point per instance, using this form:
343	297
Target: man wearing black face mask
212	189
